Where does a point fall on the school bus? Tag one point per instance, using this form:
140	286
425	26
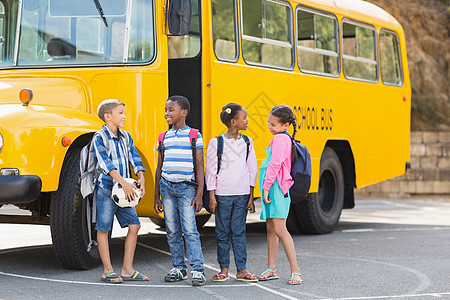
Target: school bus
340	65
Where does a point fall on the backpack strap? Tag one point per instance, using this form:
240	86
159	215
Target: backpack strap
247	141
193	135
161	144
219	151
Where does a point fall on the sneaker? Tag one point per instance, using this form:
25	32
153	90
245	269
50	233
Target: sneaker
176	275
198	278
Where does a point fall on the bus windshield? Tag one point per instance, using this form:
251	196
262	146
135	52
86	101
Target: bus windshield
61	32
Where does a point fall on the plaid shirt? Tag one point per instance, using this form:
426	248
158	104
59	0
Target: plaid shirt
119	157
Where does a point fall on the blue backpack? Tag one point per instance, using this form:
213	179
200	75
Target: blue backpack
300	173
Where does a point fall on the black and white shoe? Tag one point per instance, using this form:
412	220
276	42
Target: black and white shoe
198	278
176	275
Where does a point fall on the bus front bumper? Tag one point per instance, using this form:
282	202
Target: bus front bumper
19	189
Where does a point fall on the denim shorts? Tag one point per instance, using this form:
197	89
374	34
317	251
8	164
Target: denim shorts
106	209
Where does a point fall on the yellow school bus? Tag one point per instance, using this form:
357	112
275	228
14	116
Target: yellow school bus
339	64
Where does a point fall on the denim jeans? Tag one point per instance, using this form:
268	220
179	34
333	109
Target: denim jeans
180	221
231	214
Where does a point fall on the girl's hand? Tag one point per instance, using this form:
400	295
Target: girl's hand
266	197
251	205
212	204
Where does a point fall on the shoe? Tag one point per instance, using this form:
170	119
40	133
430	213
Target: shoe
291	280
176	275
264	277
112	278
198	278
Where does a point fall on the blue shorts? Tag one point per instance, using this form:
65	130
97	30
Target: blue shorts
106	209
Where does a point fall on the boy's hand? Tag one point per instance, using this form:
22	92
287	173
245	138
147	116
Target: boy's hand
158	205
141	182
251	205
198	202
212	202
266	197
129	191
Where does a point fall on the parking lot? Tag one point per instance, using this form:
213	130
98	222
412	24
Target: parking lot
382	249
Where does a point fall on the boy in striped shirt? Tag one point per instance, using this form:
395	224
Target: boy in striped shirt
179	189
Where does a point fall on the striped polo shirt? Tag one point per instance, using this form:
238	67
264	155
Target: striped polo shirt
178	165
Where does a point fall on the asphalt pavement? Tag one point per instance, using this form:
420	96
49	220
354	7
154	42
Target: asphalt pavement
382	249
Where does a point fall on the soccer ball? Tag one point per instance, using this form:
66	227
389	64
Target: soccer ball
118	194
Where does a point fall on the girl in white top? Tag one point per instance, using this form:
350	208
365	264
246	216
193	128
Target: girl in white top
231	191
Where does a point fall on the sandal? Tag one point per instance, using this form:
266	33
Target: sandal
265	278
251	279
291	280
109	278
220	277
136	277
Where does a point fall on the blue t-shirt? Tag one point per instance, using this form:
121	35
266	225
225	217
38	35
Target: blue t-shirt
178	165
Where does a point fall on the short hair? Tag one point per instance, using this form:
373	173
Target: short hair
182	101
107	106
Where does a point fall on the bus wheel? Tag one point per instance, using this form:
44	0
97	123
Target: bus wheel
68	222
200	220
321	211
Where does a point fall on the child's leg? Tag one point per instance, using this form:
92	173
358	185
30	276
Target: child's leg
223	221
173	223
103	249
130	247
272	248
238	239
106	209
185	195
288	245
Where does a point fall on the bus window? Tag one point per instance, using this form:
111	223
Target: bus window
317	43
63	32
267	33
391	72
359	54
2	32
224	29
186	46
142	45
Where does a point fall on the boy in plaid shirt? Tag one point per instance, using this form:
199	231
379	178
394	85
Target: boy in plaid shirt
115	167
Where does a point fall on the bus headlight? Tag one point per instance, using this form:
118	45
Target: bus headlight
1	142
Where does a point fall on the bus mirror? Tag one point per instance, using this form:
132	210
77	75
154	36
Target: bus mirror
179	17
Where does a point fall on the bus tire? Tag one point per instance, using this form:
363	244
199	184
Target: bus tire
68	222
321	211
200	220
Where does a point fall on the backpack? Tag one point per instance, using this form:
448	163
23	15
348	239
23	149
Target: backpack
89	175
219	159
193	134
300	173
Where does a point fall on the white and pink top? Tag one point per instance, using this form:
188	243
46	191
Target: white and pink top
236	174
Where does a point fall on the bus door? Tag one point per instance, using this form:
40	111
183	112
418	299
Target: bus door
185	57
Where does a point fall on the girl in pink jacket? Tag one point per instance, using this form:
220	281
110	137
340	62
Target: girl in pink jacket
275	181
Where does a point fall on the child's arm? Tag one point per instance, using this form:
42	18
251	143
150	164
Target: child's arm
135	159
128	188
108	167
251	204
211	174
280	147
158	204
200	177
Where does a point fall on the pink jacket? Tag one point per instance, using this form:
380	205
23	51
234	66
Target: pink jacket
280	165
